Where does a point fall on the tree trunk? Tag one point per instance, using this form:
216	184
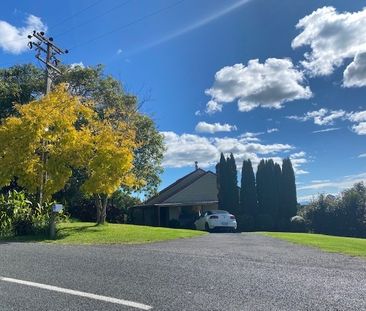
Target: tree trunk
98	204
101	204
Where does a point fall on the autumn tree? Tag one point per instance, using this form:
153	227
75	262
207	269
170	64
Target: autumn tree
52	136
41	144
24	83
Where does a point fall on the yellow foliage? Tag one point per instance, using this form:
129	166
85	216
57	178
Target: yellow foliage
57	133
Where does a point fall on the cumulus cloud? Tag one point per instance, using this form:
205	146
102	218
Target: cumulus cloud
213	107
322	116
204	127
358	116
332	38
360	128
14	39
355	73
183	150
267	85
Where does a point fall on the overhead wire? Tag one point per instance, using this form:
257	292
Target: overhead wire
60	34
75	14
125	26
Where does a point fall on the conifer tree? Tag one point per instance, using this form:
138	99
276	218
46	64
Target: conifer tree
222	186
233	193
288	203
248	193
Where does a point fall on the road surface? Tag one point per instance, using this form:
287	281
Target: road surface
215	272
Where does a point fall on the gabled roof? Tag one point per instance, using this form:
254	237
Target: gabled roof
177	186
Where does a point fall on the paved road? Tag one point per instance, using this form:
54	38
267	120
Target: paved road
215	272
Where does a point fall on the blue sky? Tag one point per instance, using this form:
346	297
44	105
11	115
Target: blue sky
260	78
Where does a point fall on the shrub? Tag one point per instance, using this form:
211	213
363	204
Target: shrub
297	224
19	217
174	223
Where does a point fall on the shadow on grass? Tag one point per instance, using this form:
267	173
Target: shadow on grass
61	234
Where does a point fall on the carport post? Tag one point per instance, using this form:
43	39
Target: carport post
158	216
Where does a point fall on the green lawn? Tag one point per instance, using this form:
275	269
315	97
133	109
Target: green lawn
328	243
89	233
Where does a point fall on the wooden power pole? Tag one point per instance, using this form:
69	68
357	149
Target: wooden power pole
43	45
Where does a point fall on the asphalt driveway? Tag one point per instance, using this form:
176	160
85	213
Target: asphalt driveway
214	272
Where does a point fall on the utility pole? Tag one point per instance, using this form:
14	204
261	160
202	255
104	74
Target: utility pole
44	45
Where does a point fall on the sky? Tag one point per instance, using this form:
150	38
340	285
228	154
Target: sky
258	78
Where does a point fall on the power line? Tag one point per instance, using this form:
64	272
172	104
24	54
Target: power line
75	14
123	27
92	19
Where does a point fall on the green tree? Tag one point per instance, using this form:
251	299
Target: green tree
19	84
248	193
222	182
233	191
288	200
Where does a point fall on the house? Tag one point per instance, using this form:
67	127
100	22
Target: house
181	201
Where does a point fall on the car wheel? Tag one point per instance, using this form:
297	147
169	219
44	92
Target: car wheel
207	228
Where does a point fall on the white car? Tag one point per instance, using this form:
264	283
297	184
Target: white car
216	219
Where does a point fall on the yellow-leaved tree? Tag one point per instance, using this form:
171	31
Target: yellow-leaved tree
49	137
109	163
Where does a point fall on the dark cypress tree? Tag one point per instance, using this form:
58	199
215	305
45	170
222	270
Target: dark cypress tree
222	186
233	192
288	202
277	195
260	181
248	192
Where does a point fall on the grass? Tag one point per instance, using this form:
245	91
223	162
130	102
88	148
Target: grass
89	233
328	243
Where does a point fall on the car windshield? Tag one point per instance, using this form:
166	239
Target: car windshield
220	212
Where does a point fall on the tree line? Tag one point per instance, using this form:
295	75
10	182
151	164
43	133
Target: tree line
265	201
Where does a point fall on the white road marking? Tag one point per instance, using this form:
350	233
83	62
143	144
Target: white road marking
78	293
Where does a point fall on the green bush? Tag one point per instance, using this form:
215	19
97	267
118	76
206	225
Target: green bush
297	224
18	216
174	223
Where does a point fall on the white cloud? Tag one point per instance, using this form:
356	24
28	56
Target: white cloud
355	73
197	113
119	51
14	39
318	181
362	155
213	107
359	116
183	150
204	127
267	85
330	129
360	128
335	185
272	130
74	65
332	37
322	116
